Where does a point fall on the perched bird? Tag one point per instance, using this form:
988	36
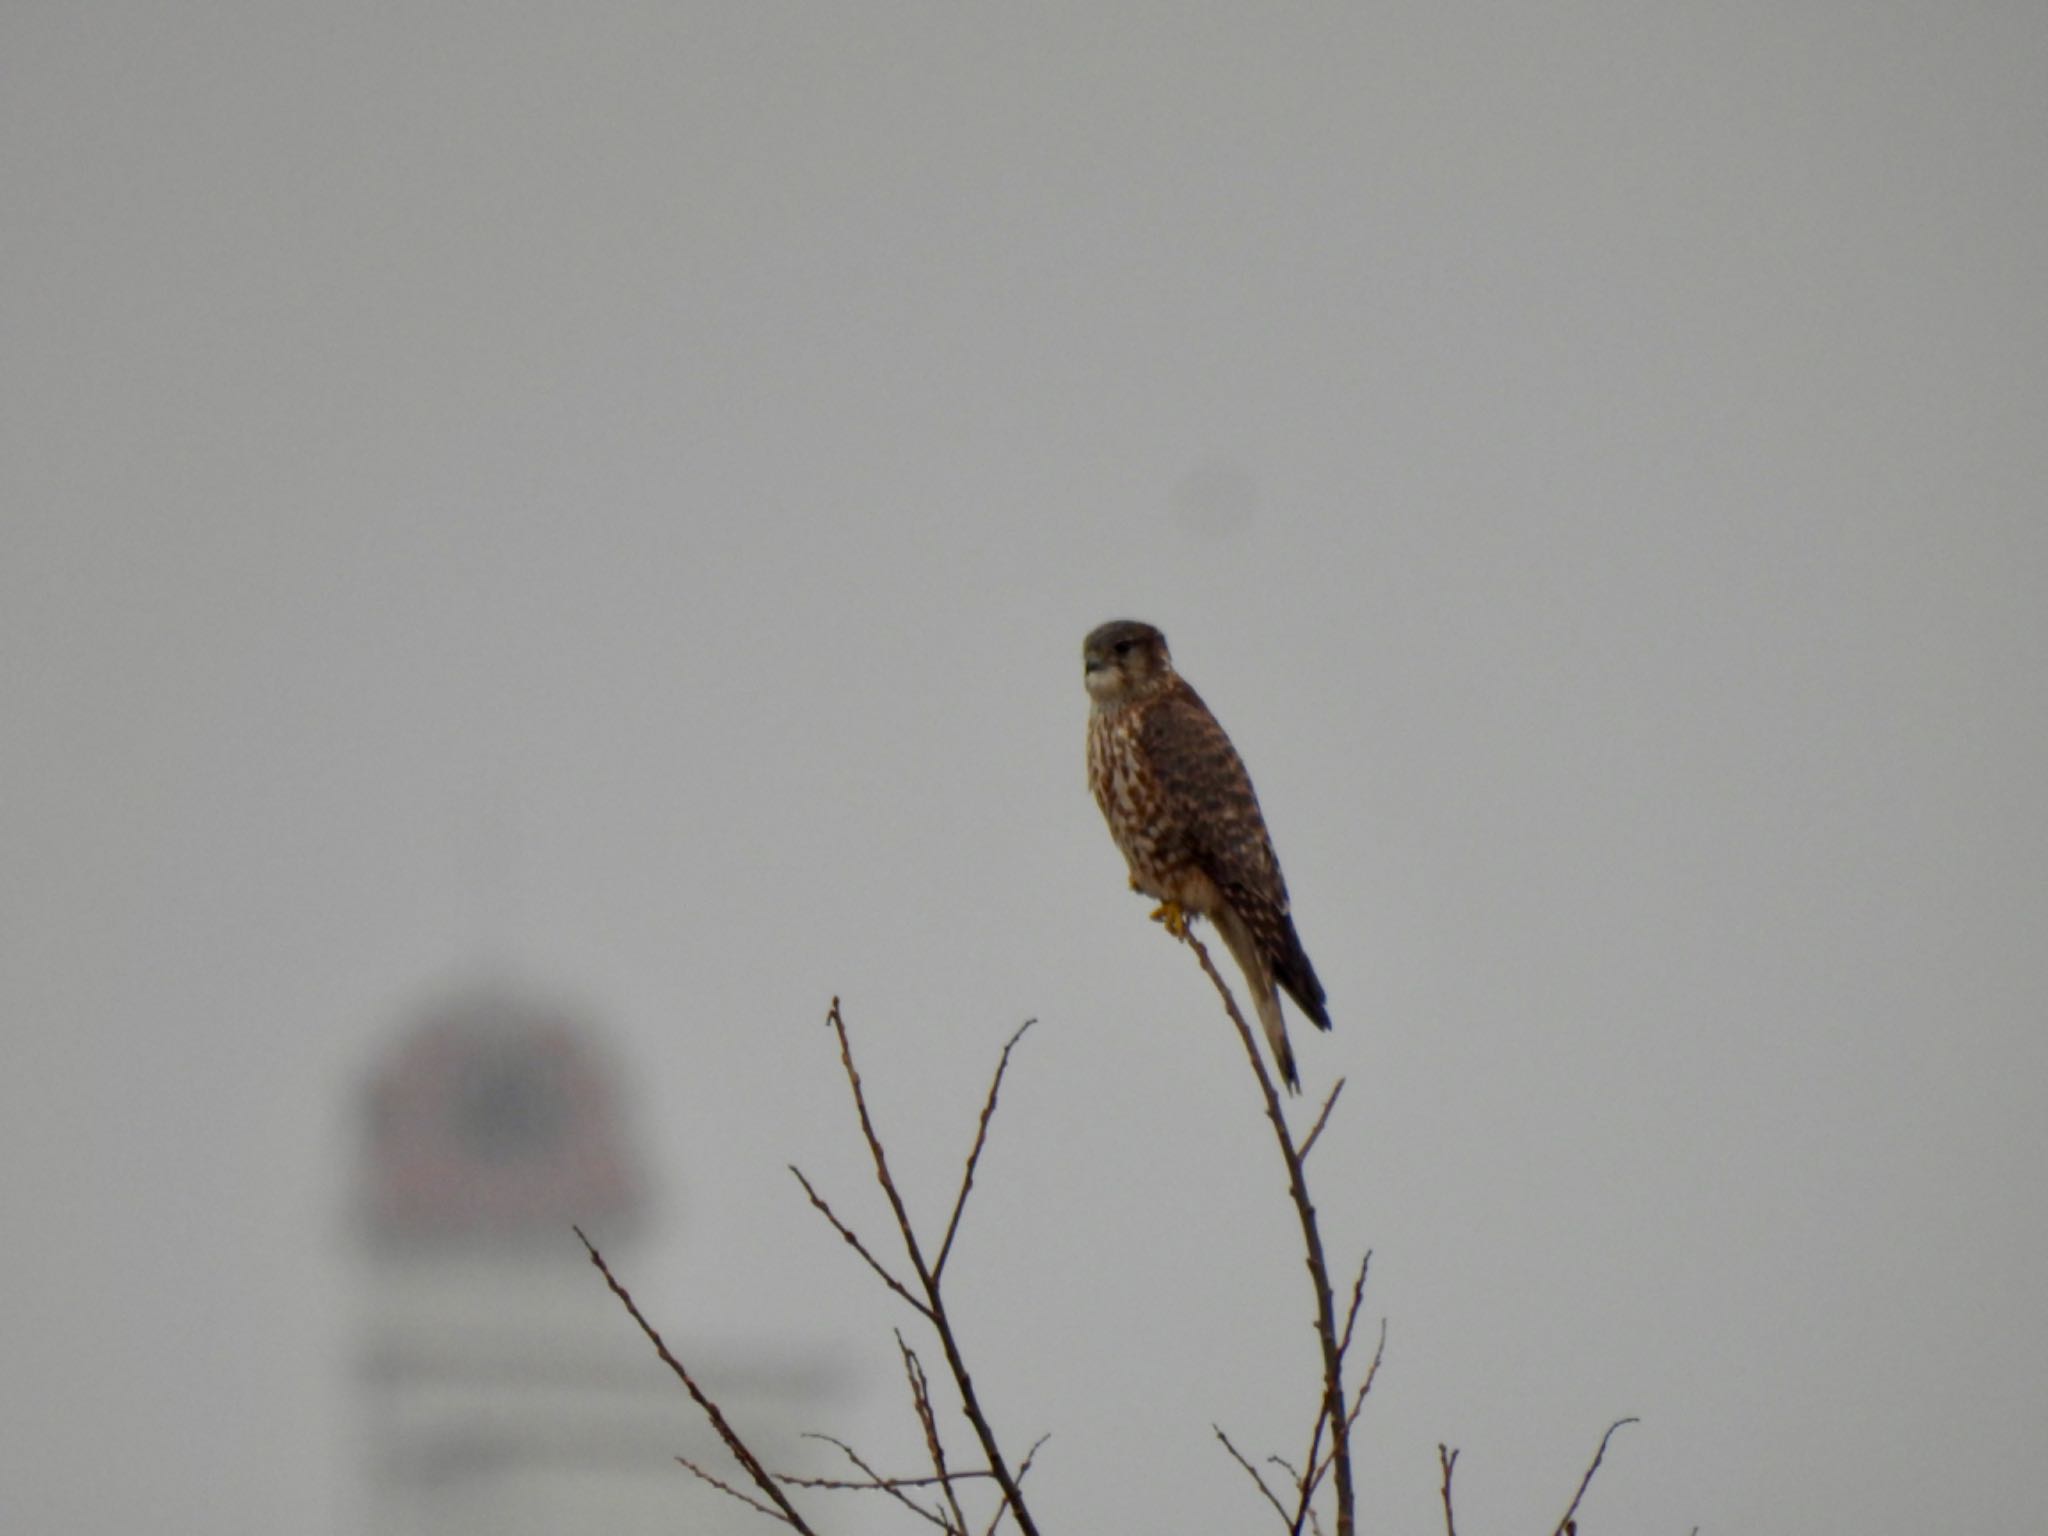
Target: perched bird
1180	805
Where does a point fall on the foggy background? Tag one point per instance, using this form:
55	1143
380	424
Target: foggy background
608	498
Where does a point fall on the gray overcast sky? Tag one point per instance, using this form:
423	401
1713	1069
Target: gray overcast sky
615	492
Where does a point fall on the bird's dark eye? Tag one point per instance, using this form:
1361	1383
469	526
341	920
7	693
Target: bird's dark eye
1123	647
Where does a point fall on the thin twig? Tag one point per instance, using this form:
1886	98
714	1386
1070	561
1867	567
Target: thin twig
1372	1372
1319	1272
728	1490
854	1242
974	1154
1023	1470
921	1400
871	1484
1585	1481
893	1486
1317	1464
1447	1459
1323	1119
1253	1473
881	1158
1351	1312
733	1443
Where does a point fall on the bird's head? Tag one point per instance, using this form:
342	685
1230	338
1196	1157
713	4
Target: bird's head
1124	660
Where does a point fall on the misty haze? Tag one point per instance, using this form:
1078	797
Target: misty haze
540	546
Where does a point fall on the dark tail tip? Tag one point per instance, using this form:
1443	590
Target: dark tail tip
1310	1000
1298	977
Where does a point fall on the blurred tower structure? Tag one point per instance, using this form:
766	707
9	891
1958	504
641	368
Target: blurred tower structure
505	1389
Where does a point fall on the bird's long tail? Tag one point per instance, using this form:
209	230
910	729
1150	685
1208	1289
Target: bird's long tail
1276	1036
1265	994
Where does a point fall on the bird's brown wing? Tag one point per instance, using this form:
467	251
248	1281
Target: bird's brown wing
1215	812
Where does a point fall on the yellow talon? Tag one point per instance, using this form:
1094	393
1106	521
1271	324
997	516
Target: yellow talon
1170	913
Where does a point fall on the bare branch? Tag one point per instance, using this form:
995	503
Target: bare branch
1319	1461
1023	1470
746	1458
1371	1373
1317	1465
729	1491
974	1155
1584	1482
1337	1413
870	1484
854	1242
1286	1466
1333	1409
1323	1119
1253	1473
893	1486
970	1402
1351	1312
881	1158
921	1400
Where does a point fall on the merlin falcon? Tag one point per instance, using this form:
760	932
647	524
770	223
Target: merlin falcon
1181	808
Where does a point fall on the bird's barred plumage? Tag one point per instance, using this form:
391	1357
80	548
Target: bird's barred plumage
1183	812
